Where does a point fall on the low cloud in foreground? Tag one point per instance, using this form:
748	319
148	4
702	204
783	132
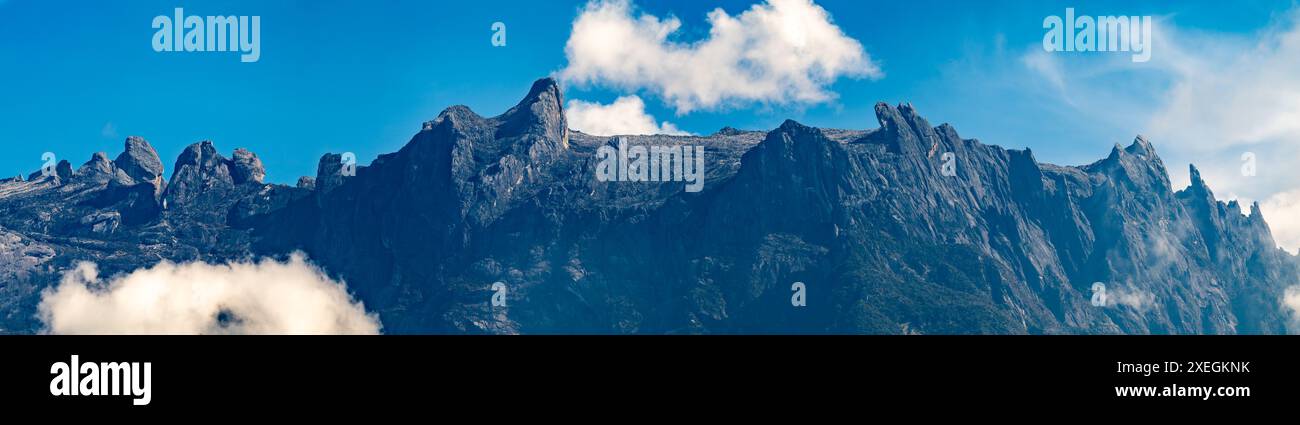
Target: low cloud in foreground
264	297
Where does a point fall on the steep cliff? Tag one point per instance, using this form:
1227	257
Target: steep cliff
905	228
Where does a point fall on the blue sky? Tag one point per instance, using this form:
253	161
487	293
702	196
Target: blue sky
336	76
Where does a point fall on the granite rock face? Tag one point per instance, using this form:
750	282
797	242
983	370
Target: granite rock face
904	228
140	162
246	167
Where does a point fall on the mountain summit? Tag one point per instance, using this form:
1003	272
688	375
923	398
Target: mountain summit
904	228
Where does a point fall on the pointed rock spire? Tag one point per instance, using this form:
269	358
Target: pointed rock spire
329	173
1141	146
899	137
199	169
64	170
540	113
1197	182
246	167
140	161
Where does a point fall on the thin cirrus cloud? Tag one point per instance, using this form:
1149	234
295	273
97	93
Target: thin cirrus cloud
776	52
1231	91
266	297
1221	96
1236	95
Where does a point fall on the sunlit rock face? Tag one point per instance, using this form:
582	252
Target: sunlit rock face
902	228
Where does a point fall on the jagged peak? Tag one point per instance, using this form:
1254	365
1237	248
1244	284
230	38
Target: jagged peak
453	114
888	117
542	110
98	164
200	159
63	169
898	126
947	128
197	153
544	98
792	125
1140	146
1234	207
99	157
1195	174
329	173
545	93
139	160
544	89
1116	152
1138	163
1026	155
200	147
728	131
246	167
797	131
792	132
1197	191
913	117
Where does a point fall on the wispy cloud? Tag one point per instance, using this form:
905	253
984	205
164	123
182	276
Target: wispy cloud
1230	91
1291	302
1232	95
109	130
1205	98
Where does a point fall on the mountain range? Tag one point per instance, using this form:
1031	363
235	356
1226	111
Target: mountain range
904	228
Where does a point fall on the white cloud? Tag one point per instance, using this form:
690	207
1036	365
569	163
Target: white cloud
1282	212
266	297
1231	95
1048	66
626	116
1135	299
1204	98
1232	91
778	52
1291	302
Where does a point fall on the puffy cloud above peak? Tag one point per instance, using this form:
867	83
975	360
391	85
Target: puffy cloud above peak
626	116
777	52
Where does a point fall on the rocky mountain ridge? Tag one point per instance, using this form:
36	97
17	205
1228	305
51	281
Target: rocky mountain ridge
905	228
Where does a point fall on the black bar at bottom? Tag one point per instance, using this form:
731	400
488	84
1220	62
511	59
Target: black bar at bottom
463	372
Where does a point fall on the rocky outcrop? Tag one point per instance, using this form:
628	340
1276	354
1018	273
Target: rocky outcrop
329	172
904	228
200	174
245	167
882	236
140	162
